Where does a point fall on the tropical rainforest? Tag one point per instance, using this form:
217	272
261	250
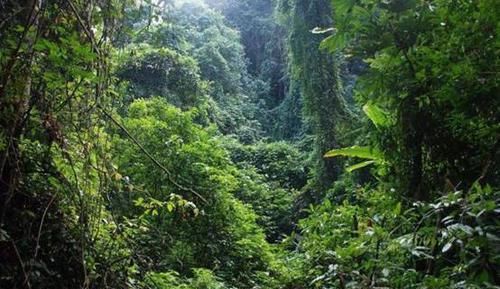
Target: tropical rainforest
249	144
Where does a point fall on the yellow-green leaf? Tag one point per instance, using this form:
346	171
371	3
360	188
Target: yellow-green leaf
359	165
365	152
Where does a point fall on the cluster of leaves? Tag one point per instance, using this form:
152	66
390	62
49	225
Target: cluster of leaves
138	167
171	233
193	59
429	220
53	78
122	197
272	175
161	71
371	240
430	74
278	99
203	279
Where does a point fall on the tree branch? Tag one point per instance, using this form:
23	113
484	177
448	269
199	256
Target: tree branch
155	161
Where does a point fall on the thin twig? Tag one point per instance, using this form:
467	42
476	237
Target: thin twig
41	225
85	28
26	277
490	160
37	246
8	18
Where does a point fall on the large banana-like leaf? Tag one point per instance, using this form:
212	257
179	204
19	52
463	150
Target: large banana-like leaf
378	116
374	156
364	152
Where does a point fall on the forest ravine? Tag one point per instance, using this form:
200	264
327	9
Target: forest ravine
249	144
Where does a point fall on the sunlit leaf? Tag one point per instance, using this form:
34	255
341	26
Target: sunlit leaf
378	116
359	165
365	152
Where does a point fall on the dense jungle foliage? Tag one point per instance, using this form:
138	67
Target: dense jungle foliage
249	144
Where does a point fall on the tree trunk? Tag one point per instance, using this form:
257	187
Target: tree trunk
15	93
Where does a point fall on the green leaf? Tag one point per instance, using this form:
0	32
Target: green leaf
359	166
356	151
483	276
337	41
139	202
397	209
447	247
170	207
378	116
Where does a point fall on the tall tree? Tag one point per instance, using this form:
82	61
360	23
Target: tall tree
317	73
